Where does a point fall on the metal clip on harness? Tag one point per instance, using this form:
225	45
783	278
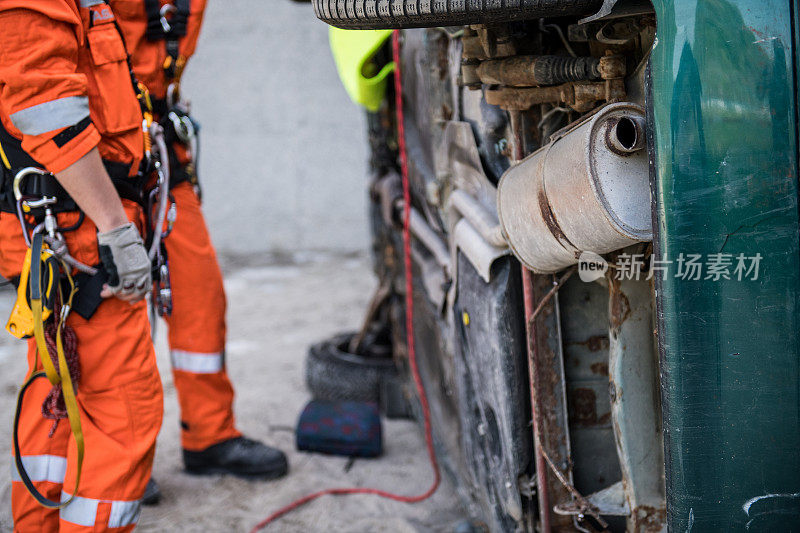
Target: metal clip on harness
186	132
166	9
49	226
165	213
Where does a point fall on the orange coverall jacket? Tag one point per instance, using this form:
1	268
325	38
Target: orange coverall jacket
62	63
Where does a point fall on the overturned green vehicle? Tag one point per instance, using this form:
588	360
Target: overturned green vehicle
606	252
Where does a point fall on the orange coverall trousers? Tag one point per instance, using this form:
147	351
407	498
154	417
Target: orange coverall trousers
120	402
197	328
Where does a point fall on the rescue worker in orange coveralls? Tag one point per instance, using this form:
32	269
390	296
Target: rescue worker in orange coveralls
68	105
161	36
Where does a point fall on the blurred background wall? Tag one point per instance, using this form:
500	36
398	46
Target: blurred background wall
283	155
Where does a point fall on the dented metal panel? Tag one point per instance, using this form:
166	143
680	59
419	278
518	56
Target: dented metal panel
724	104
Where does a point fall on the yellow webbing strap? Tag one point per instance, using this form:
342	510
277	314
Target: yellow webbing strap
62	376
4	157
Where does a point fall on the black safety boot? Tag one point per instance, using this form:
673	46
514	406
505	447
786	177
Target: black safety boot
152	493
239	456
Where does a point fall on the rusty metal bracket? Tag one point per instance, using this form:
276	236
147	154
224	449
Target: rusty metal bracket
579	96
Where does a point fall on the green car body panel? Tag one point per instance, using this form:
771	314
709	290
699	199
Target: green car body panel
723	98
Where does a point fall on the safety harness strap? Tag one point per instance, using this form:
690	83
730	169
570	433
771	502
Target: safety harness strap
154	30
40	185
55	377
35	285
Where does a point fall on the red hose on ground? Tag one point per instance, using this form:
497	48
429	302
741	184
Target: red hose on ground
412	355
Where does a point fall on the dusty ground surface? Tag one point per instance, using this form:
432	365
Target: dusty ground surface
274	312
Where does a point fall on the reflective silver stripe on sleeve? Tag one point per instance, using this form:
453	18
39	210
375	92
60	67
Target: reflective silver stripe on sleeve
83	511
90	3
197	363
42	468
52	115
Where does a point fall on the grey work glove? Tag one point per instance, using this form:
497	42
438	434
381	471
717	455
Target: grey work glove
125	259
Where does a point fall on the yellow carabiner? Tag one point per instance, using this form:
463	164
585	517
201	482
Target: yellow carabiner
21	321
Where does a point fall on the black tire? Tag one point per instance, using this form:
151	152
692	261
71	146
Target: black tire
333	374
391	14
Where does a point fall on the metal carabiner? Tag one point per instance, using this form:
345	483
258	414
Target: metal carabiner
25	204
173	95
49	226
21	175
166	9
184	127
186	132
164	293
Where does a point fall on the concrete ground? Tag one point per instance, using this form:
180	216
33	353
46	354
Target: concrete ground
274	312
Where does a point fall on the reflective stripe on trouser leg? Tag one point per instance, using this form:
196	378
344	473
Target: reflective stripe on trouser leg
197	328
50	468
197	363
86	511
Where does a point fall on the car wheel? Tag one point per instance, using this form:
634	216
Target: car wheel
390	14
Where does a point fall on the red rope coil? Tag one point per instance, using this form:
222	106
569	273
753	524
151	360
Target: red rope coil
53	407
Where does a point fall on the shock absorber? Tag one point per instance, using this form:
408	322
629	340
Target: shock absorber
536	71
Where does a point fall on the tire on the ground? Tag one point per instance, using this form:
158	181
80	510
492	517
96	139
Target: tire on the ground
392	14
333	374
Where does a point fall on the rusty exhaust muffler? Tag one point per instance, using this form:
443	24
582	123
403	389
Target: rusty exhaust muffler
587	190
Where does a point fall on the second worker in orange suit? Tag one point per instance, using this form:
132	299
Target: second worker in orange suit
161	36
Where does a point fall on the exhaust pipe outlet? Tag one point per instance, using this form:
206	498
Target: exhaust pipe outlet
588	190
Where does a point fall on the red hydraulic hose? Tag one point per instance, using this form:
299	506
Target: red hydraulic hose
412	355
